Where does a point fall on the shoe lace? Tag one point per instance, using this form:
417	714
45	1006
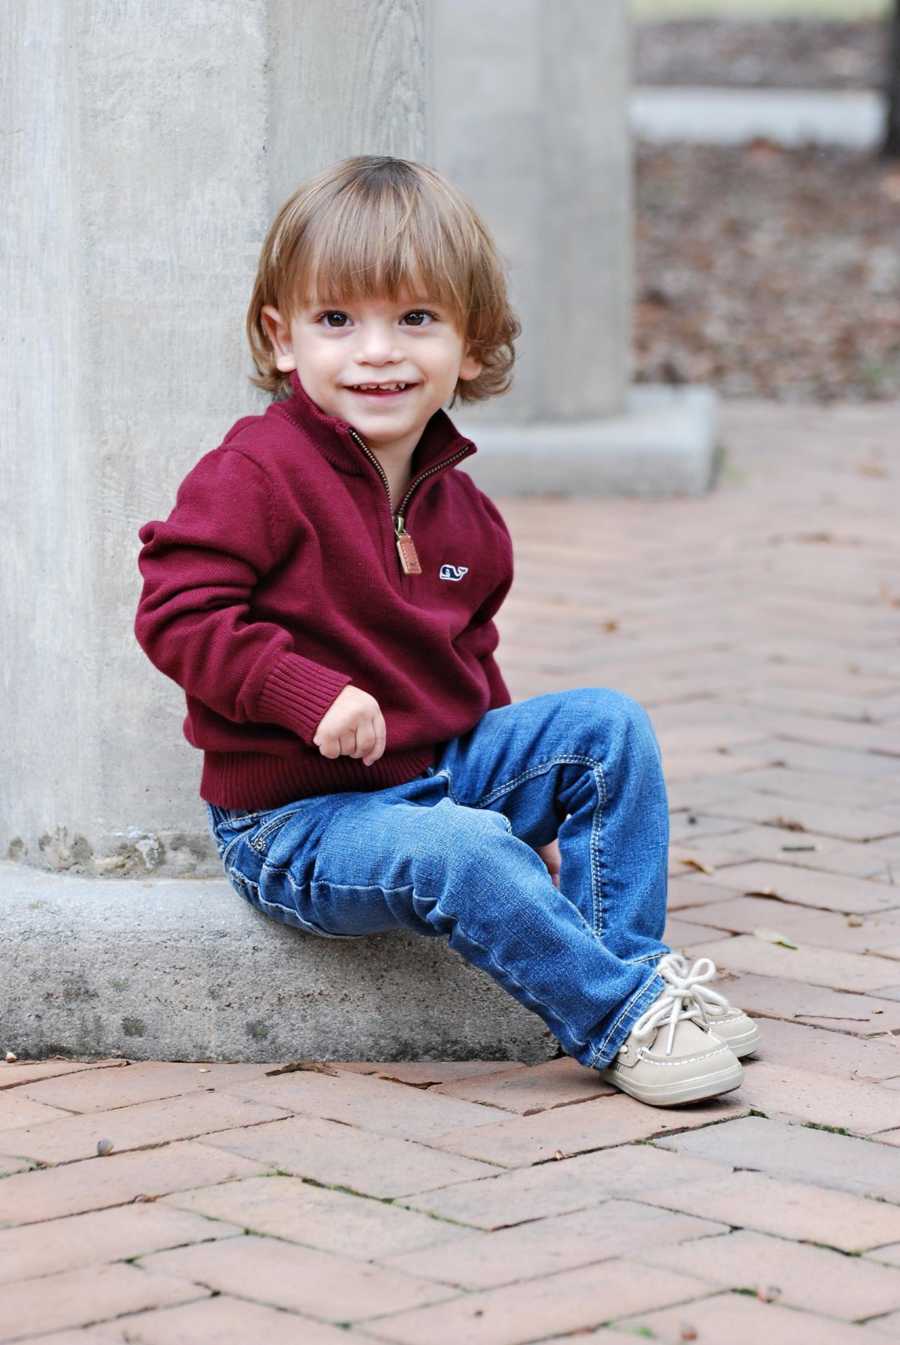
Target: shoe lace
689	981
670	1007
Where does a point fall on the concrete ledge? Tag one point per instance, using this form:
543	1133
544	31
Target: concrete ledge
663	444
851	118
182	969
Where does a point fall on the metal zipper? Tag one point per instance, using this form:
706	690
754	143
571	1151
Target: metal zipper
406	548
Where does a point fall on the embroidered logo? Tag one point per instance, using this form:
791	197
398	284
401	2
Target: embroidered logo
453	571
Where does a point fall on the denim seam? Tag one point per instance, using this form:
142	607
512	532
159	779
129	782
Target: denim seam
627	1015
570	758
539	769
597	850
226	852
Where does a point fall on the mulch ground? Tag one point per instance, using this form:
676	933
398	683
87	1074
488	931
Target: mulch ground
768	272
763	271
784	54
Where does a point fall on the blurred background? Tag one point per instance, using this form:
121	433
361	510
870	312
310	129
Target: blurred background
767	197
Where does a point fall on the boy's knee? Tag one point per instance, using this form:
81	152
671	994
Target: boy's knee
617	717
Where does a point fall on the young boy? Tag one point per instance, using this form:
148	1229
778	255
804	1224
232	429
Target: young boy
324	591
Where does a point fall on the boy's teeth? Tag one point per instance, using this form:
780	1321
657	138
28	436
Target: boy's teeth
380	387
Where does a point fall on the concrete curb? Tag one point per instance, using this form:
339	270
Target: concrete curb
663	444
853	119
183	969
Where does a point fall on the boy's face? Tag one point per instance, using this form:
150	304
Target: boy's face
336	347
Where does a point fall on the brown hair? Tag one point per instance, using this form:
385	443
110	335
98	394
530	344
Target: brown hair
373	226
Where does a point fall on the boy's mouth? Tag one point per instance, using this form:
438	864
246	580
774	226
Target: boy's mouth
381	389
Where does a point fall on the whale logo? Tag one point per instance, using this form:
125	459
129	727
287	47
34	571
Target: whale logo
454	571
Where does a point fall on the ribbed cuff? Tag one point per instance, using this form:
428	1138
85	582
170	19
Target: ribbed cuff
297	692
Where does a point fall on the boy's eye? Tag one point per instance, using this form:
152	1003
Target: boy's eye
416	313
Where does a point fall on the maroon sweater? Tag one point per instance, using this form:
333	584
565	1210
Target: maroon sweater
276	581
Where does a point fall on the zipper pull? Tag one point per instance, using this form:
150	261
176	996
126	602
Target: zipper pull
406	548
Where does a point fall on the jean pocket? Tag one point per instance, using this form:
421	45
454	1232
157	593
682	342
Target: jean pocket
270	827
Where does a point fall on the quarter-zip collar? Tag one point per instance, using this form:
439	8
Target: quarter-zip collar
440	443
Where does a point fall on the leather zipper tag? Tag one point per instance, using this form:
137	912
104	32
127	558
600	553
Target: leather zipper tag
406	549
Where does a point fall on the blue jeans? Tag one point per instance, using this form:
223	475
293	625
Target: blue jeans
451	853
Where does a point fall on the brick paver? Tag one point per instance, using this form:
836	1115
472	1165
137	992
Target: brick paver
572	1300
497	1203
543	1246
796	1273
799	1153
813	966
303	1279
741	1320
58	1245
787	1209
80	1297
341	1155
319	1216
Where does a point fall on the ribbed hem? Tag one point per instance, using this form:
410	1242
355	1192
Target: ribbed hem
297	693
255	781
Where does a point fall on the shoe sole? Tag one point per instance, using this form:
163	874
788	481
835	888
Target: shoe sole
688	1090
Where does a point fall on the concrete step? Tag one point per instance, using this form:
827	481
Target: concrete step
183	969
853	119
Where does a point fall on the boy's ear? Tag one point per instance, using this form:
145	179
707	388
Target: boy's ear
279	334
470	367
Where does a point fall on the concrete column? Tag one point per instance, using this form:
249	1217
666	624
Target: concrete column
148	143
529	119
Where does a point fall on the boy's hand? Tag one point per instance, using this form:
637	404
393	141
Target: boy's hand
551	857
352	726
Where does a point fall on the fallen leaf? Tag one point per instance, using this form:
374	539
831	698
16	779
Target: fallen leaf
773	936
417	1083
693	863
316	1065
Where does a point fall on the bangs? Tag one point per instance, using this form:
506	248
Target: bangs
380	239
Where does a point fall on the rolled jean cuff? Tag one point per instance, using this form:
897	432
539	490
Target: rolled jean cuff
608	1049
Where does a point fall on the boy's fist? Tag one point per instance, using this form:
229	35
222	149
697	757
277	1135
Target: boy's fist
352	726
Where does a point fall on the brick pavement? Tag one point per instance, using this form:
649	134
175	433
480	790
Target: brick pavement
493	1203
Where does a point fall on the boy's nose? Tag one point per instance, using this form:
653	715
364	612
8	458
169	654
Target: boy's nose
378	343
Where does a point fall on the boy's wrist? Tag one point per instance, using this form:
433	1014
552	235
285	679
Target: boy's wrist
297	693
